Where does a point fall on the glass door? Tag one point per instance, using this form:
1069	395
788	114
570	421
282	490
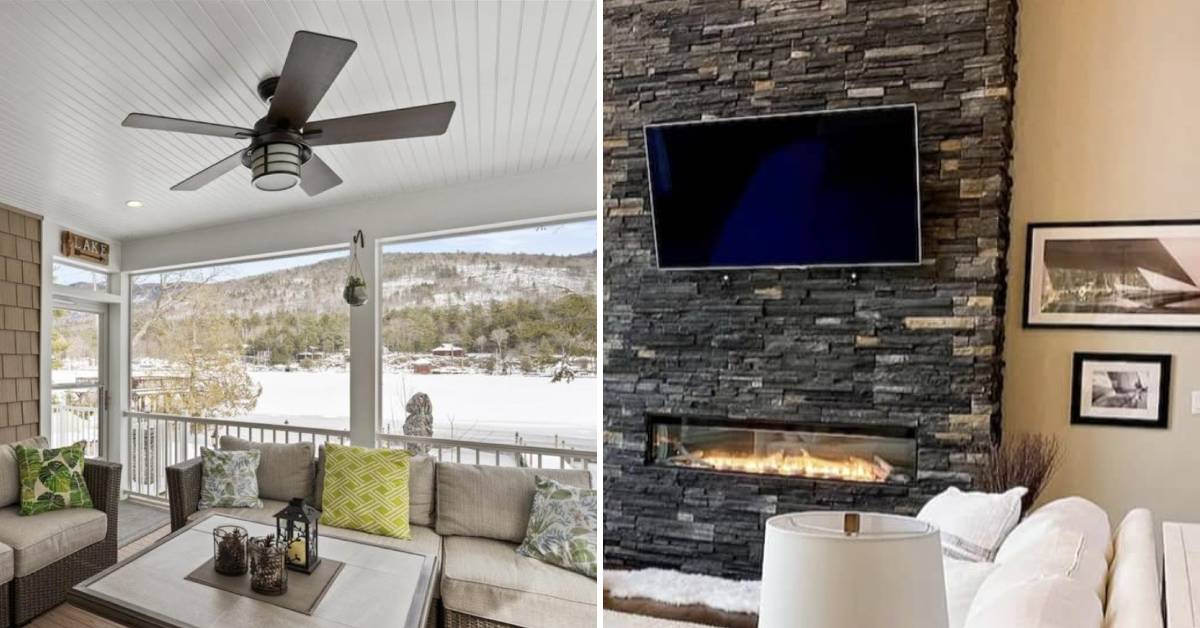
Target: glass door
78	373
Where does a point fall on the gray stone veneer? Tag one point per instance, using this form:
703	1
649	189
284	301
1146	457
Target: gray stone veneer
916	346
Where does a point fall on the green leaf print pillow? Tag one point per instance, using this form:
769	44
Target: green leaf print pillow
229	479
562	527
52	479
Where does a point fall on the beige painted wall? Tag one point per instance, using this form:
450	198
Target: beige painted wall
1107	127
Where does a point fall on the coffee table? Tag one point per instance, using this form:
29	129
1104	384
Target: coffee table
377	587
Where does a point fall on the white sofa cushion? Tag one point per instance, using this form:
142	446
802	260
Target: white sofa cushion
1051	602
488	578
963	579
1068	537
1134	594
973	525
1069	513
1061	554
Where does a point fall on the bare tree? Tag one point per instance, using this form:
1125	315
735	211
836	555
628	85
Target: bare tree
500	337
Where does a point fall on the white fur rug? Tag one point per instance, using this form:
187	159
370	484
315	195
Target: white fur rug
613	619
681	589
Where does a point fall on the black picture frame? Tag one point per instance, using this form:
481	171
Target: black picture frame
1162	361
1133	323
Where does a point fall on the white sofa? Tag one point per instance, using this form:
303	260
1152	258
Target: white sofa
1063	567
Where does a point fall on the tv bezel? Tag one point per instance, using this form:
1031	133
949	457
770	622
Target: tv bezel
916	186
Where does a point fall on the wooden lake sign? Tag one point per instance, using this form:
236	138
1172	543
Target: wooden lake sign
83	247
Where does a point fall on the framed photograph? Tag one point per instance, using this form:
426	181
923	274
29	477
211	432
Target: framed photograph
1128	389
1131	275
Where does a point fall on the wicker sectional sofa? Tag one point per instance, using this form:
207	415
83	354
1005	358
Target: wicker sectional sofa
471	518
51	552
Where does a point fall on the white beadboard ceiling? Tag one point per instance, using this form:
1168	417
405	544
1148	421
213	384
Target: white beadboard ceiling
522	71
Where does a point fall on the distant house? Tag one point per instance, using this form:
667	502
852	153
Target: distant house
448	350
422	367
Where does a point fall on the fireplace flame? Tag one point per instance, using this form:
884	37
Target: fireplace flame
800	463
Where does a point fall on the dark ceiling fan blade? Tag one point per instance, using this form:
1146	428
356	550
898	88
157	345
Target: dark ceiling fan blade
316	176
209	174
313	62
178	125
381	125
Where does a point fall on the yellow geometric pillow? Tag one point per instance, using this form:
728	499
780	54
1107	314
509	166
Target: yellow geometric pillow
366	489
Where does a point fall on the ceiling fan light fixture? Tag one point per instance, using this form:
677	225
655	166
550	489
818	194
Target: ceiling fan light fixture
276	166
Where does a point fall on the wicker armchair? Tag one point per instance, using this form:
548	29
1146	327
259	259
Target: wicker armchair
183	489
5	620
47	587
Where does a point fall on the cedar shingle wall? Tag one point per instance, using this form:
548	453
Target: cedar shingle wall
20	323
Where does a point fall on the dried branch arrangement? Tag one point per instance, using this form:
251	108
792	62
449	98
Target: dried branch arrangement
1028	460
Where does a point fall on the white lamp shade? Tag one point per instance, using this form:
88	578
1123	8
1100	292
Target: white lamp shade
816	576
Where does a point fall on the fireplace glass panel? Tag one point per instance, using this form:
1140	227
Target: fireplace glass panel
853	453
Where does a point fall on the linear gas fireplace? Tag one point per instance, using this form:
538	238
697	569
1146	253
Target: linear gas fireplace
853	453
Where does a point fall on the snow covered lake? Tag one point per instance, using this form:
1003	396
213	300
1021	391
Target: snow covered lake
465	406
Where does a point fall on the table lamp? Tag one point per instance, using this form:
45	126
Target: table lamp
852	570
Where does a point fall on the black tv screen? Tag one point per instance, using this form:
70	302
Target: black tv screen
836	188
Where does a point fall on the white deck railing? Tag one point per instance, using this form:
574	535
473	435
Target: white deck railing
70	424
157	441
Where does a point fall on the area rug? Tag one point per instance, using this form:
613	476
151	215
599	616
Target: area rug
135	520
684	589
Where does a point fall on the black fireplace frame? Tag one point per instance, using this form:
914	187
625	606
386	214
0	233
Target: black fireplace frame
888	430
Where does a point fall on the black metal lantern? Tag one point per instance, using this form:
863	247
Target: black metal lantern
297	527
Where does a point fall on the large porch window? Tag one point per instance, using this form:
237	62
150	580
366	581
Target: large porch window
491	337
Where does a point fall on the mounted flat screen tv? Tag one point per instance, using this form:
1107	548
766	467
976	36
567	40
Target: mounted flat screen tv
834	188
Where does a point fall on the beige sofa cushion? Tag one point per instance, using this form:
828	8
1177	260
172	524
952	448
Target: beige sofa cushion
1134	596
284	470
424	540
10	480
420	488
487	578
6	564
492	502
46	538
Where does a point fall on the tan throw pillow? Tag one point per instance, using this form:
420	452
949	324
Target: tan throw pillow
10	477
492	502
285	470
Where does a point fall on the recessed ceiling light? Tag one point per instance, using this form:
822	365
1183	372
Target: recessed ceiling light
134	204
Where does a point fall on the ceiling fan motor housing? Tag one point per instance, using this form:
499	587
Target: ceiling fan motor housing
266	88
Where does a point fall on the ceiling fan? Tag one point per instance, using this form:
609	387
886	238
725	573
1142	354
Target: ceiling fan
280	152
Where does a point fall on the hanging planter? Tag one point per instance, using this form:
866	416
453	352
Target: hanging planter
355	292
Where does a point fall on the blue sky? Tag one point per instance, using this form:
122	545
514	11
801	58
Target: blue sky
566	239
